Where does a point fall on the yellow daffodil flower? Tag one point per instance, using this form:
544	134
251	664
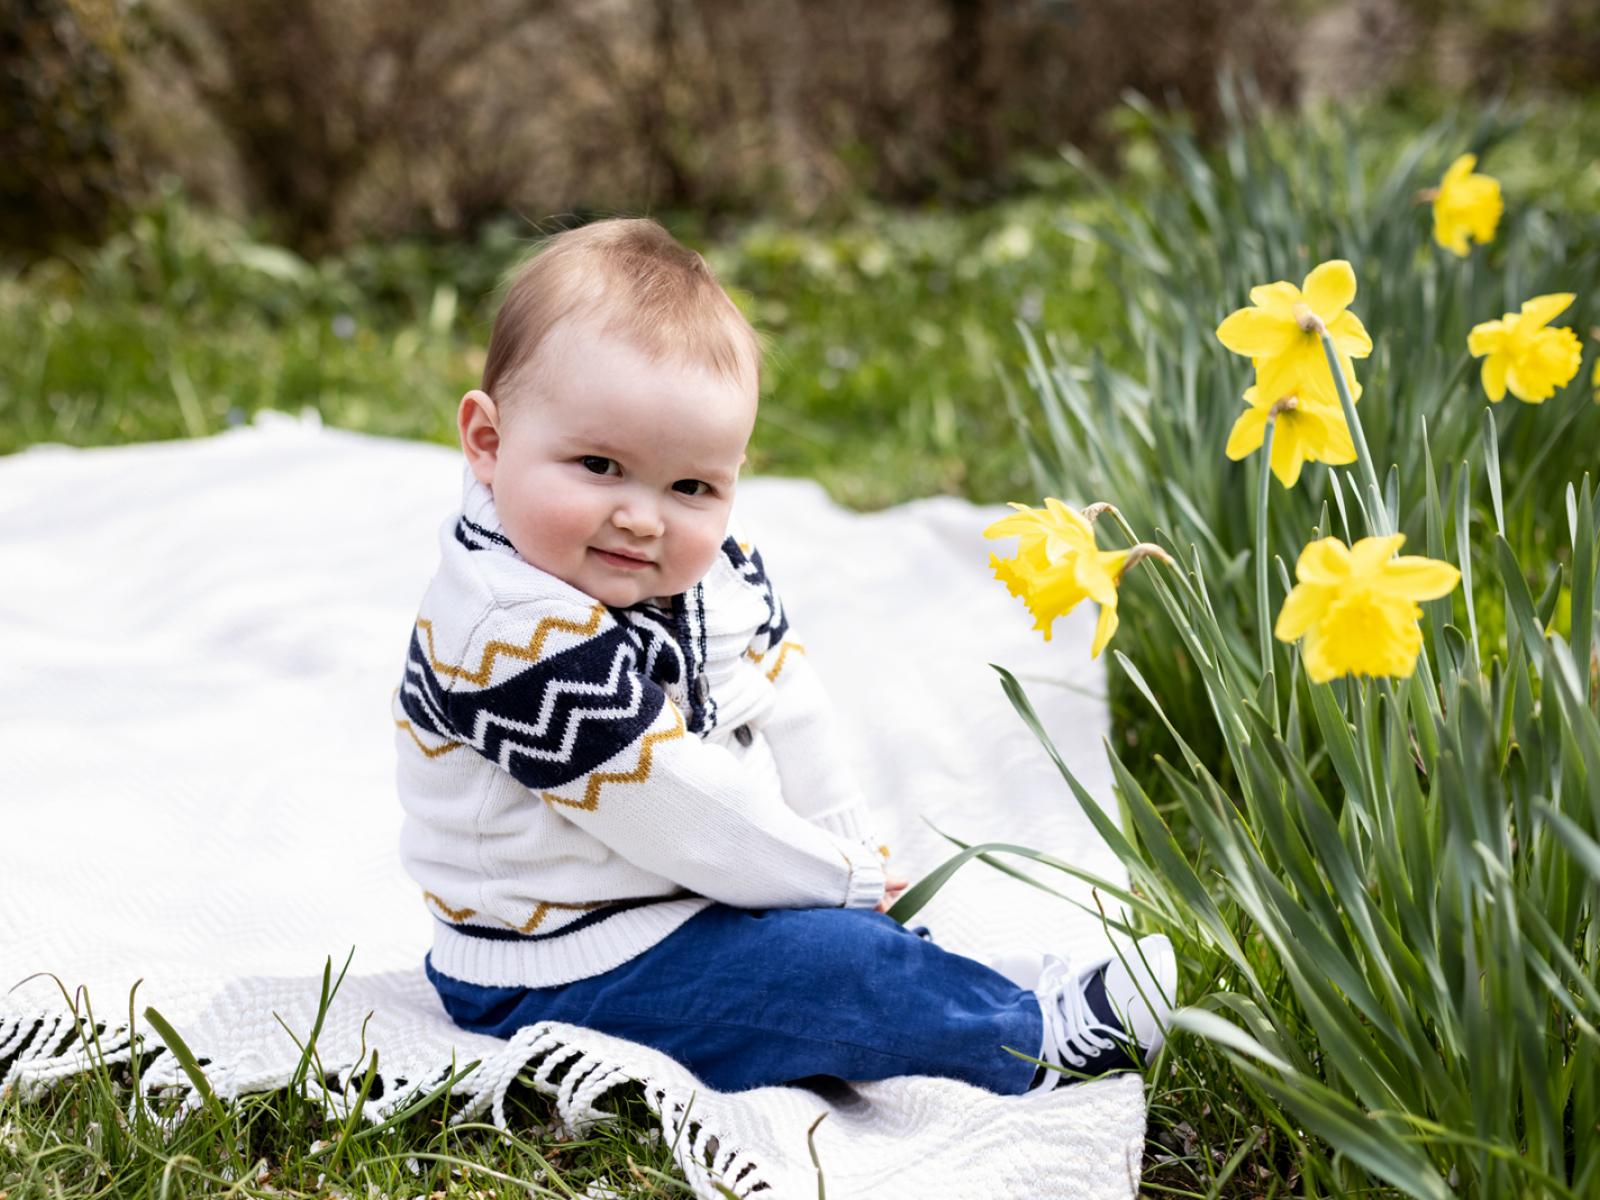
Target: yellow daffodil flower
1466	205
1356	606
1523	355
1304	433
1279	331
1057	565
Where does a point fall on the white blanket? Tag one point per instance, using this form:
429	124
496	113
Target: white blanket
196	789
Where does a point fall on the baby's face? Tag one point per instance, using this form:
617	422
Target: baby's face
618	476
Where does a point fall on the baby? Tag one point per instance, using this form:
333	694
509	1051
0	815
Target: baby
626	802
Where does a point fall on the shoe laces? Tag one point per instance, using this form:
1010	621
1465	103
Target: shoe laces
1075	1033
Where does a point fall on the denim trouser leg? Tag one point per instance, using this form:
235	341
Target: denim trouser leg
751	997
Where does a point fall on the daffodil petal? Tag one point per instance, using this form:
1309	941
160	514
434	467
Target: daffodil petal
1368	555
1451	235
1458	170
1418	578
1288	455
1104	628
1329	288
1313	651
1277	299
1069	516
1008	527
1350	335
1299	371
1486	337
1247	434
1097	577
1256	333
1301	608
1541	310
1324	561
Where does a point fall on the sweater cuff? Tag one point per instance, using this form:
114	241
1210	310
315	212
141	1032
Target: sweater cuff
866	886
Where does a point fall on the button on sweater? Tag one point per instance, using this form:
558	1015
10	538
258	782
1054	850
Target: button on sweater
578	780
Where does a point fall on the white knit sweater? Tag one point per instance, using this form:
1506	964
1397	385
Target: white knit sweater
580	780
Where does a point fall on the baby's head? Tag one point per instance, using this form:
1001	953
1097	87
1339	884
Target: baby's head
617	399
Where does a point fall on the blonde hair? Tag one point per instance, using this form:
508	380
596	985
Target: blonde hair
640	283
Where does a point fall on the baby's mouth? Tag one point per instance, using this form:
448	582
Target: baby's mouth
620	559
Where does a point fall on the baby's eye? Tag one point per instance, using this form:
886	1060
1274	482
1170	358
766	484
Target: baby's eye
588	461
694	483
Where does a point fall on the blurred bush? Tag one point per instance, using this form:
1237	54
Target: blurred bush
339	119
62	85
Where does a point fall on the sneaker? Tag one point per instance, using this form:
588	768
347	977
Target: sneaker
1108	1015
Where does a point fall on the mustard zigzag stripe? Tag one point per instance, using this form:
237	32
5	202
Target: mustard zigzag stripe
783	652
436	751
541	910
493	650
641	772
411	729
455	914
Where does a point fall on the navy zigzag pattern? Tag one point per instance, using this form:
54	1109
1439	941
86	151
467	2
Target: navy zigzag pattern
754	573
584	706
672	644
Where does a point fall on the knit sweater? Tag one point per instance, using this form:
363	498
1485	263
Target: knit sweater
579	780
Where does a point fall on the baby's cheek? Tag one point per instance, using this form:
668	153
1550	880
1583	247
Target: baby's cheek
544	530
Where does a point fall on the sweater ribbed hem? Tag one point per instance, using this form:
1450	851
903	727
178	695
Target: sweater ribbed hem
866	883
592	950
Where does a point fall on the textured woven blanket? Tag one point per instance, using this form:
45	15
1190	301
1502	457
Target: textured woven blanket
196	790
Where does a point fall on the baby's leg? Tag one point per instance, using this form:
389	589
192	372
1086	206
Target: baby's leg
749	998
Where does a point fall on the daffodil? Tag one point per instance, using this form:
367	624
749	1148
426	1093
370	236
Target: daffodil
1303	433
1280	331
1057	566
1356	607
1525	356
1466	205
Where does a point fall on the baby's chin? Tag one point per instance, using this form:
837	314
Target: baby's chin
624	592
619	589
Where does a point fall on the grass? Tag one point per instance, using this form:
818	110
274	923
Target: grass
318	1136
882	382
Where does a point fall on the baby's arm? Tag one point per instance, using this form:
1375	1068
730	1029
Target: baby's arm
803	734
602	745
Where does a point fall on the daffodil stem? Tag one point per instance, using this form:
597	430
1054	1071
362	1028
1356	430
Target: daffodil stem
1262	611
1378	511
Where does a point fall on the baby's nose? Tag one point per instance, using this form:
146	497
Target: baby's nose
643	520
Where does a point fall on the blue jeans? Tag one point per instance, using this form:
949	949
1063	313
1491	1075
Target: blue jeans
751	997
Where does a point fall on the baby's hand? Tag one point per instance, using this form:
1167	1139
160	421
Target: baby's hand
893	885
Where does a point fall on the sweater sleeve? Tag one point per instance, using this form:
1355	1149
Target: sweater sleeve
803	735
603	745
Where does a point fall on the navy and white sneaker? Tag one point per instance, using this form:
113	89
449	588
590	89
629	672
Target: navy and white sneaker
1107	1015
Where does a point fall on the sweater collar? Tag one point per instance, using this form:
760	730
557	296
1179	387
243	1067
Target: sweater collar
478	527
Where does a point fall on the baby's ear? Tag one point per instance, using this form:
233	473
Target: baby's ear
477	421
